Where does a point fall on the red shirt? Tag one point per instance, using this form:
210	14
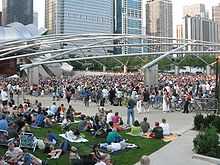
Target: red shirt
115	119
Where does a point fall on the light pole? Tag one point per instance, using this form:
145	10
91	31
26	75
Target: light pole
218	81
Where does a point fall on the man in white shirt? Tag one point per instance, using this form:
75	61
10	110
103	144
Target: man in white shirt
109	116
166	127
4	97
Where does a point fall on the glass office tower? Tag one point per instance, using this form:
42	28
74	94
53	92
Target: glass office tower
79	16
128	20
17	11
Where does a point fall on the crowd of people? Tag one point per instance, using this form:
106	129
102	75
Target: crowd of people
117	90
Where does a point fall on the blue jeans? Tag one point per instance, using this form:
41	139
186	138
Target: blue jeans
130	113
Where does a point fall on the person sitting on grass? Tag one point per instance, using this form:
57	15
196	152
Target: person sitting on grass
166	127
109	116
3	123
56	153
39	121
117	122
47	122
74	157
145	126
113	137
157	131
52	110
145	160
26	128
70	113
51	138
136	129
99	157
14	155
116	119
82	123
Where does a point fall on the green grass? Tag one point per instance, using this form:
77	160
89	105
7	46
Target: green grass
146	147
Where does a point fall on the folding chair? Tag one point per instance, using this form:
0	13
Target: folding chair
28	140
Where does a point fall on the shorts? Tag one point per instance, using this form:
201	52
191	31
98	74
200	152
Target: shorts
4	103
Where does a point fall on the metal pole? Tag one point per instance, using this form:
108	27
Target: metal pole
217	82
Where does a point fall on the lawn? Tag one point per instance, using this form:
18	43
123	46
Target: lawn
129	157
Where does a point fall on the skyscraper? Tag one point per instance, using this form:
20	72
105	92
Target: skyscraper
127	16
0	18
35	19
216	17
200	28
17	11
179	32
195	10
79	16
159	18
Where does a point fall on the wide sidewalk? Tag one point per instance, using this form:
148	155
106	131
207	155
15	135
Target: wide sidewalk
178	152
179	122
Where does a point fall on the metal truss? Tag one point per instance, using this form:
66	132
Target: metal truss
60	48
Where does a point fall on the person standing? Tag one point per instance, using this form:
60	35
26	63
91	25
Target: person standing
188	98
166	101
112	96
130	111
68	96
139	106
4	97
146	99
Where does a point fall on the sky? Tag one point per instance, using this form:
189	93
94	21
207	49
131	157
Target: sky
177	8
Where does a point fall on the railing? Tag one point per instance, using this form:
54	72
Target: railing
204	105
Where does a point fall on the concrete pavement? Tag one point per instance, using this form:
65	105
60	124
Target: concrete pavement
179	122
178	152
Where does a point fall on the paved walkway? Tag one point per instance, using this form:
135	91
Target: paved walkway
179	122
178	152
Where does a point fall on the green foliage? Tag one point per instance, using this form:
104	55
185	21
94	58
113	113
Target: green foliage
208	120
201	122
198	121
207	142
196	62
216	123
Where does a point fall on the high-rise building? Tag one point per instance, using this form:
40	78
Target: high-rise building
127	16
35	19
179	32
79	16
159	18
216	17
0	18
17	11
195	10
200	28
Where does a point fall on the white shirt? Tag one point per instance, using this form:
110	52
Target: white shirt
208	87
105	92
109	117
4	96
100	163
166	128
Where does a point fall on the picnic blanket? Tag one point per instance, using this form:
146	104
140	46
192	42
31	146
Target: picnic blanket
129	133
116	147
73	139
165	138
75	122
169	138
